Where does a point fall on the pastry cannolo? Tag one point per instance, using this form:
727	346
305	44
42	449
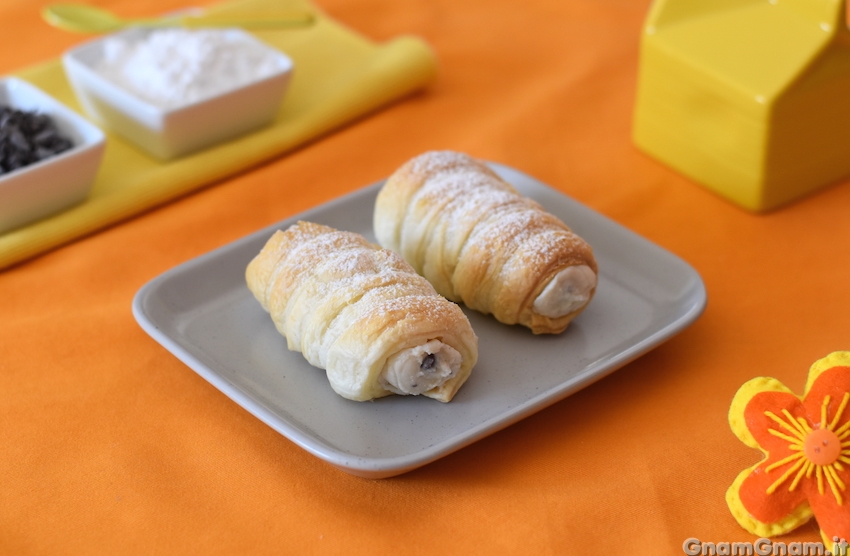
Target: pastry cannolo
363	314
478	241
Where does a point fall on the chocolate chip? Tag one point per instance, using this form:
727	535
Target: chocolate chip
45	137
27	137
18	140
428	363
41	153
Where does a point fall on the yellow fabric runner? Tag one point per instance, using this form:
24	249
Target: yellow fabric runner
339	76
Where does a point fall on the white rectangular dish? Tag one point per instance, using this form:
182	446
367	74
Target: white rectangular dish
204	314
171	132
59	181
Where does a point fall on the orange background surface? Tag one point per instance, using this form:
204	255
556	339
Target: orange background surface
110	445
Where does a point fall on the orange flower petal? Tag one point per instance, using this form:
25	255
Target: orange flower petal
757	415
835	383
773	521
770	508
833	519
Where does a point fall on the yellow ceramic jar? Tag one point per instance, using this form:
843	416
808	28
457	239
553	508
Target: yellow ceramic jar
750	98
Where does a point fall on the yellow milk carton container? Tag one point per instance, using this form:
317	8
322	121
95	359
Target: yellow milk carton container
750	98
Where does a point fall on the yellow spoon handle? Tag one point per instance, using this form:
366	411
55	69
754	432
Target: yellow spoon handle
81	18
248	22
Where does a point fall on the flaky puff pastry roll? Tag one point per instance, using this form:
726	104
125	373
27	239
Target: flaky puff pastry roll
478	241
363	314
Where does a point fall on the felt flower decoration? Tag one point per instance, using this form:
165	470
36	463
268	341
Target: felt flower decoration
806	443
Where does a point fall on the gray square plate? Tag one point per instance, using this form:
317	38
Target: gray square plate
204	314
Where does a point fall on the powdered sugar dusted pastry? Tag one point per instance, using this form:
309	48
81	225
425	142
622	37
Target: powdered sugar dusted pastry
363	314
477	240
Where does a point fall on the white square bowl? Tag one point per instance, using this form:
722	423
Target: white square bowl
168	133
55	183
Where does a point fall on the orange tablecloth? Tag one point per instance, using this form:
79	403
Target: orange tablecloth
110	445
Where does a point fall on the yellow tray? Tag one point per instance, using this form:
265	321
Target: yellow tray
339	76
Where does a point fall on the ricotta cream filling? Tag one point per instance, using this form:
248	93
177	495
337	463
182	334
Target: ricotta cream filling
415	370
568	291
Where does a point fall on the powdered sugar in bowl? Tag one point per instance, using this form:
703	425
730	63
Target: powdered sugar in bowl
175	91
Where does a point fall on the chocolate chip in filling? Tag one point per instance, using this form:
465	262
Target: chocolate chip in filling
418	369
428	363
